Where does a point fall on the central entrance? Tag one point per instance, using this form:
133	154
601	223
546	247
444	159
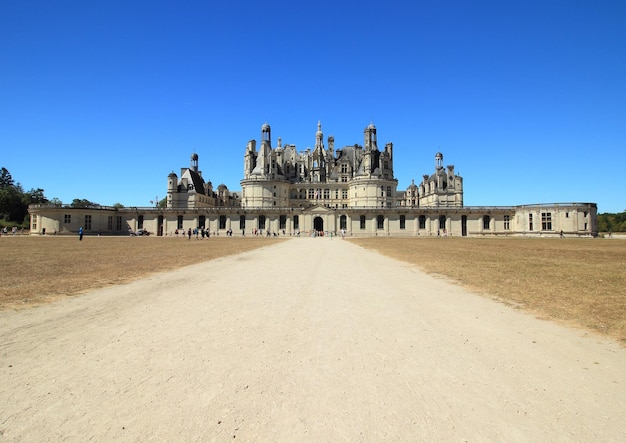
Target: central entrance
318	224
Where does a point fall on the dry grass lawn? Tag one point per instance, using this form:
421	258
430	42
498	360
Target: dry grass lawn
577	281
581	282
41	269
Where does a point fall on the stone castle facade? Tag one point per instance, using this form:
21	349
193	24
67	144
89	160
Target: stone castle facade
349	190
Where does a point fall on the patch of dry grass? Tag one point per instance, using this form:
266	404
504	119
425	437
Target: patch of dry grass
576	281
40	269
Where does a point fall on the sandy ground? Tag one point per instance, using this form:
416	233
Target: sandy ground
307	340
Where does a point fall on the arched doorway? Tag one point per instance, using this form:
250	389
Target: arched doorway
318	224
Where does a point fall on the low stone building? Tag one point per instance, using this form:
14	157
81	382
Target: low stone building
349	191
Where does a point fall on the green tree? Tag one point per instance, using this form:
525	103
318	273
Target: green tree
35	196
12	206
5	178
82	203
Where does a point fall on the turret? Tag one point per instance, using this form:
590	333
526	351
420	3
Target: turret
194	162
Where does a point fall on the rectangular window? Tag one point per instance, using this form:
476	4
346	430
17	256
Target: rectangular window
110	222
546	221
388	191
326	194
222	222
282	222
33	223
67	218
179	223
344	179
242	222
362	222
422	222
88	222
311	194
118	223
402	222
344	168
530	222
344	193
380	222
507	222
486	221
336	194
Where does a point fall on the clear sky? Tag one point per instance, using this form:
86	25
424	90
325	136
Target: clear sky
101	100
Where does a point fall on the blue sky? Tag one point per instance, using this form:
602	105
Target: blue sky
102	100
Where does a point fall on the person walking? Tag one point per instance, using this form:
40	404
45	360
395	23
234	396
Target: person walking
80	234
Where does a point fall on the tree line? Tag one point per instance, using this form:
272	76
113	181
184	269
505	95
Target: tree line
608	222
14	201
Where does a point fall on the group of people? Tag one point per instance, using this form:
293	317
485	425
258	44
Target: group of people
5	230
198	233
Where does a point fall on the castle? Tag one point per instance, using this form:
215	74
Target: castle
349	190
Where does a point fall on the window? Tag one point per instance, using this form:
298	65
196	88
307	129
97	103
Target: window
402	222
282	222
343	222
530	222
261	222
344	193
486	221
242	222
546	221
222	222
110	222
336	194
179	224
311	194
382	191
344	168
67	218
362	221
88	222
344	179
380	222
507	222
326	194
388	191
422	220
33	223
118	223
296	222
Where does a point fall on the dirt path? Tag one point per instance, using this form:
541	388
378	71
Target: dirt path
307	340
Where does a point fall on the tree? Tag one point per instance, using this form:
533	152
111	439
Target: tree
12	206
5	178
83	203
35	196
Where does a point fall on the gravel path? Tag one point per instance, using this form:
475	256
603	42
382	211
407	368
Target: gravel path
305	340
